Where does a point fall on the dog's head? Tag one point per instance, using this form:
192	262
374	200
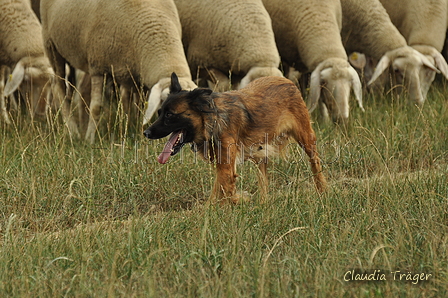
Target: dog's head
180	115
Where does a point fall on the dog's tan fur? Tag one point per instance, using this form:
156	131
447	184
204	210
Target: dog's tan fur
251	123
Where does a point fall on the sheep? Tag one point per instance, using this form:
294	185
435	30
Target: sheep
307	34
135	41
367	28
423	24
229	36
22	51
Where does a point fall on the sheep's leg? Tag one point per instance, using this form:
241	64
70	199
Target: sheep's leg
40	106
66	110
95	107
59	88
126	100
3	109
82	97
125	97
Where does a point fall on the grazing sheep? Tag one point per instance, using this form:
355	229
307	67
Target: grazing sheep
307	34
135	41
231	36
22	50
367	28
423	24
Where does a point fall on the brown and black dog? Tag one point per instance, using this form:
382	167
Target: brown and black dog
250	123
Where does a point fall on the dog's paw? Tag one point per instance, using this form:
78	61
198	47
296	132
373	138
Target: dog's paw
241	197
238	198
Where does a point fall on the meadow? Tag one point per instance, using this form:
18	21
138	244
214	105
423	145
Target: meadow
108	221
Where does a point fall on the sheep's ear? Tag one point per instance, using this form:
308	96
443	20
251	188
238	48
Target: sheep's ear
175	86
426	62
200	100
249	77
246	80
382	65
15	79
154	101
441	64
314	89
357	87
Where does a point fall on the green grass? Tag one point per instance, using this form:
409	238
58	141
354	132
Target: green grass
108	220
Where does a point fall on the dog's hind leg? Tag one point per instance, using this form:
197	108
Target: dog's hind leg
308	142
316	168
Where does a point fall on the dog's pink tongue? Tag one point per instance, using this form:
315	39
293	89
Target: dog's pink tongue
166	153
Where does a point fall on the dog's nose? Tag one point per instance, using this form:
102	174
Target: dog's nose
147	133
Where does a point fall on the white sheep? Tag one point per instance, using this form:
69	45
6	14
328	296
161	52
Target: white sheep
22	50
136	42
308	37
423	24
228	37
367	28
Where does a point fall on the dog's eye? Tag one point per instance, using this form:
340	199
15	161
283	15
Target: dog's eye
168	115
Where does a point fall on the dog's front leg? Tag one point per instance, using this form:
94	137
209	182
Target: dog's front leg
224	189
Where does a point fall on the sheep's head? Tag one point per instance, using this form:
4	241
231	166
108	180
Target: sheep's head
412	71
32	76
427	74
331	83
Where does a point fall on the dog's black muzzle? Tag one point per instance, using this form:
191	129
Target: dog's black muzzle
158	132
148	133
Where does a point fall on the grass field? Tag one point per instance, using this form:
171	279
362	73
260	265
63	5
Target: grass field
109	221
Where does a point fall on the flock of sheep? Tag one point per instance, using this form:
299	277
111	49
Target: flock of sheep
225	43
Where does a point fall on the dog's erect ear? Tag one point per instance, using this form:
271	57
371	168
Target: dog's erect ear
175	86
201	101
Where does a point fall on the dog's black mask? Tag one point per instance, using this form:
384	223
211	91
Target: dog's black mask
178	124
